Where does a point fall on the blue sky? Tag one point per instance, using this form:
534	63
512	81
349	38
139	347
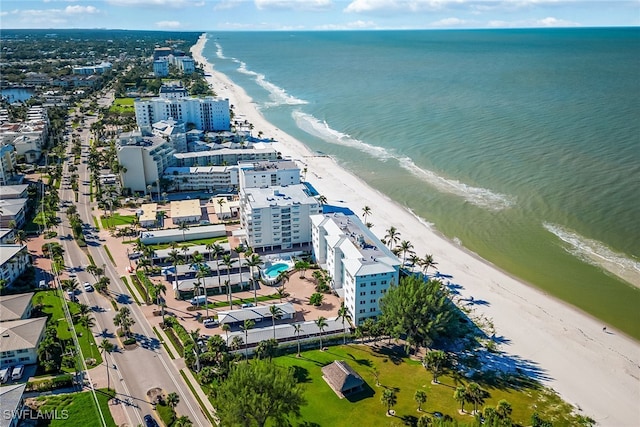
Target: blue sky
233	15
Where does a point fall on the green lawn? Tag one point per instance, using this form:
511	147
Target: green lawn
53	307
116	220
122	105
77	409
405	376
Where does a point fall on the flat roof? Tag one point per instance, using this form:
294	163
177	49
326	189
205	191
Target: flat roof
185	209
253	313
279	196
224	152
149	211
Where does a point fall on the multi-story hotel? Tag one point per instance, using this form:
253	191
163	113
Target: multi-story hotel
268	174
277	218
144	160
226	156
207	114
362	268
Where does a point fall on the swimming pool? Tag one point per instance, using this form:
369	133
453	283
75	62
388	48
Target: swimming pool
274	270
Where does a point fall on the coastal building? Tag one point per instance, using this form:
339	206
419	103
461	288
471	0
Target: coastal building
19	340
27	138
147	215
172	131
14	260
12	400
226	156
19	191
186	211
202	178
173	90
208	113
226	209
7	235
185	64
13	212
162	52
161	68
268	174
93	69
277	218
177	235
144	159
15	307
7	163
361	267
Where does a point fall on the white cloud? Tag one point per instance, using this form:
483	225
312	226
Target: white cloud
294	4
535	23
228	4
77	9
359	6
166	3
354	25
168	24
550	21
449	22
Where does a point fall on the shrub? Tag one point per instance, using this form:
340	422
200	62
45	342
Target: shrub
129	341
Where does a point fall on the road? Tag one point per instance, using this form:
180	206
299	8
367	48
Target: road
148	366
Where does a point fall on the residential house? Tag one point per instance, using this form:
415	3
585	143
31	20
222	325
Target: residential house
15	307
19	340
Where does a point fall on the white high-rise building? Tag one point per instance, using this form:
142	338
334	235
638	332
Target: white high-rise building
144	159
277	218
268	174
362	268
206	114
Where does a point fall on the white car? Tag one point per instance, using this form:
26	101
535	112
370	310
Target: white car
210	323
87	287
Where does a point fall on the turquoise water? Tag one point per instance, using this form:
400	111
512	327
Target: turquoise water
275	269
523	145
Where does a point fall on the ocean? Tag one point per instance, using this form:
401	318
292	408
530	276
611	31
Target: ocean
521	145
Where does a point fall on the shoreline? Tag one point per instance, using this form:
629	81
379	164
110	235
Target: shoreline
568	346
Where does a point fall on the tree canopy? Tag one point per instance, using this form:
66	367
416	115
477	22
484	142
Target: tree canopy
256	392
418	310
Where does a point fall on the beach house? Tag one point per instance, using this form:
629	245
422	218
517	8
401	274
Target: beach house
19	340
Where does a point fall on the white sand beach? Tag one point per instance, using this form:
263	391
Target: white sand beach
597	371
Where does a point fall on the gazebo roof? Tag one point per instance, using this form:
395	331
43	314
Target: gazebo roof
341	377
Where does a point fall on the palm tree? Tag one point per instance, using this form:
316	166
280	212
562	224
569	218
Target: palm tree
20	237
226	328
427	262
297	327
302	266
173	399
420	397
405	248
503	409
321	323
183	421
87	321
217	251
392	237
475	395
124	320
195	337
435	361
276	314
240	250
228	262
248	324
183	226
343	313
322	199
106	347
460	395
366	211
160	289
389	398
209	248
175	259
254	261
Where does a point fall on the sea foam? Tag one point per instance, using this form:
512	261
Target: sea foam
481	197
598	254
277	95
219	52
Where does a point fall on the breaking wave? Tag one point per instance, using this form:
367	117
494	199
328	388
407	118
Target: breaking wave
277	95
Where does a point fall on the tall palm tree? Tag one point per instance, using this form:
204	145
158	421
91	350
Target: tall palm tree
420	397
201	275
209	248
248	324
392	237
343	314
173	399
322	199
106	347
195	337
161	290
239	250
460	395
427	262
276	314
228	262
124	320
175	258
389	399
321	323
226	328
183	226
297	327
366	211
254	261
217	251
405	248
475	395
183	421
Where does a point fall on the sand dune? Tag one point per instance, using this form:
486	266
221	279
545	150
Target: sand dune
597	371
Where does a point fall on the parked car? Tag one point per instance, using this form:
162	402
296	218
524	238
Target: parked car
87	287
17	372
199	300
4	374
210	323
247	305
149	421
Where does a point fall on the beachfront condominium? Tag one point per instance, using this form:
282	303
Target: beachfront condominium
207	114
202	178
226	156
144	159
361	267
277	218
268	174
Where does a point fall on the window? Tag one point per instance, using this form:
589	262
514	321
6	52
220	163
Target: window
363	294
363	285
383	282
373	292
372	309
374	283
362	310
373	301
